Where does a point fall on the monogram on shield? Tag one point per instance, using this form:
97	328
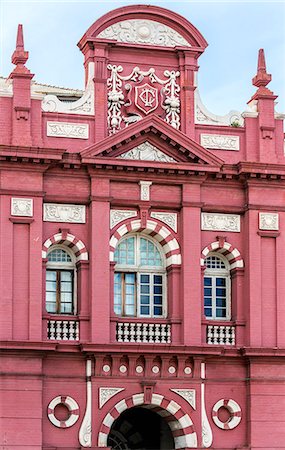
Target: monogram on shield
146	98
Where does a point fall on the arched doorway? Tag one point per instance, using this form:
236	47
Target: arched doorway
140	428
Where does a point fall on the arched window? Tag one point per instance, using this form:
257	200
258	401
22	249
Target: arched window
140	278
217	286
60	281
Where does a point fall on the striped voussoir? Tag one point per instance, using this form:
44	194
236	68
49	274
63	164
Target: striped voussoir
159	232
73	409
231	253
234	410
68	240
180	423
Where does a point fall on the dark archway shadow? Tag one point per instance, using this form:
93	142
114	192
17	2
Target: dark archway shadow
140	428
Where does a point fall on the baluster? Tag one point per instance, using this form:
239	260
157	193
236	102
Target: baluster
132	332
151	332
139	332
157	333
145	332
120	332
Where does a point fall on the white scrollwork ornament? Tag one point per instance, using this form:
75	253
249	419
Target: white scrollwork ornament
146	96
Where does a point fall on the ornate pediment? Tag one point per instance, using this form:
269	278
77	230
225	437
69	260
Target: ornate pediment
143	31
147	152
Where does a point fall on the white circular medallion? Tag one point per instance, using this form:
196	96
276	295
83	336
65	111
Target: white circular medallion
139	369
144	31
171	369
187	370
155	369
106	368
123	369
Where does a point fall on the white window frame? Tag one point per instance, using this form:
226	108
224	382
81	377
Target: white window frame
70	266
218	273
145	270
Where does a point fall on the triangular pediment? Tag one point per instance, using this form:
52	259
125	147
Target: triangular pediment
151	141
147	152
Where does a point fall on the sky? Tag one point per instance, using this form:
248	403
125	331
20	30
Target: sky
234	30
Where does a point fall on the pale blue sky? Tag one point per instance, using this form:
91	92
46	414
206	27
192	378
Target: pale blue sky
235	30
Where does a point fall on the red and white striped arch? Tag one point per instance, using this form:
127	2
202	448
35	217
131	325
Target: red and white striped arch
159	232
179	422
67	239
225	248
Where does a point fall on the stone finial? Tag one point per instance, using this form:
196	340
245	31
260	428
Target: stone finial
20	56
262	78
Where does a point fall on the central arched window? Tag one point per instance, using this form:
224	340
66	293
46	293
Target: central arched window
217	300
140	278
60	281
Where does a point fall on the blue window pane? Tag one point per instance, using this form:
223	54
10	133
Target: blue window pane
130	289
207	301
145	289
221	312
51	307
208	292
158	311
117	309
220	292
157	300
208	312
157	279
157	289
220	282
130	278
221	302
144	299
117	277
144	278
129	310
66	308
145	310
207	281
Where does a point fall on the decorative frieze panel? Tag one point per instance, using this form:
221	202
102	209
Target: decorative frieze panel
22	207
268	221
146	152
220	222
68	130
55	212
219	141
145	190
118	215
148	32
169	219
105	393
129	99
188	394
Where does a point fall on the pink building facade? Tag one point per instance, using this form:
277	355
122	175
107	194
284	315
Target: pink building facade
141	251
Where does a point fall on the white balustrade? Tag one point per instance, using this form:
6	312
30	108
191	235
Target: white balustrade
221	334
63	330
143	332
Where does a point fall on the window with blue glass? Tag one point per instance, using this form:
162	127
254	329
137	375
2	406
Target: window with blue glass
140	278
217	288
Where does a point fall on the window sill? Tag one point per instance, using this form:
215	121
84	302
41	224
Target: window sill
144	319
60	316
223	322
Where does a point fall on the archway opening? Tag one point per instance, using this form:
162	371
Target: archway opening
140	428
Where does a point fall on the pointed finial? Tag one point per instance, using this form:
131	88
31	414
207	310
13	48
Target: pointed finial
20	38
262	78
20	56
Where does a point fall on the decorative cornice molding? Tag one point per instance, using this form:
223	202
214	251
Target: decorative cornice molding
143	31
55	212
68	130
220	222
